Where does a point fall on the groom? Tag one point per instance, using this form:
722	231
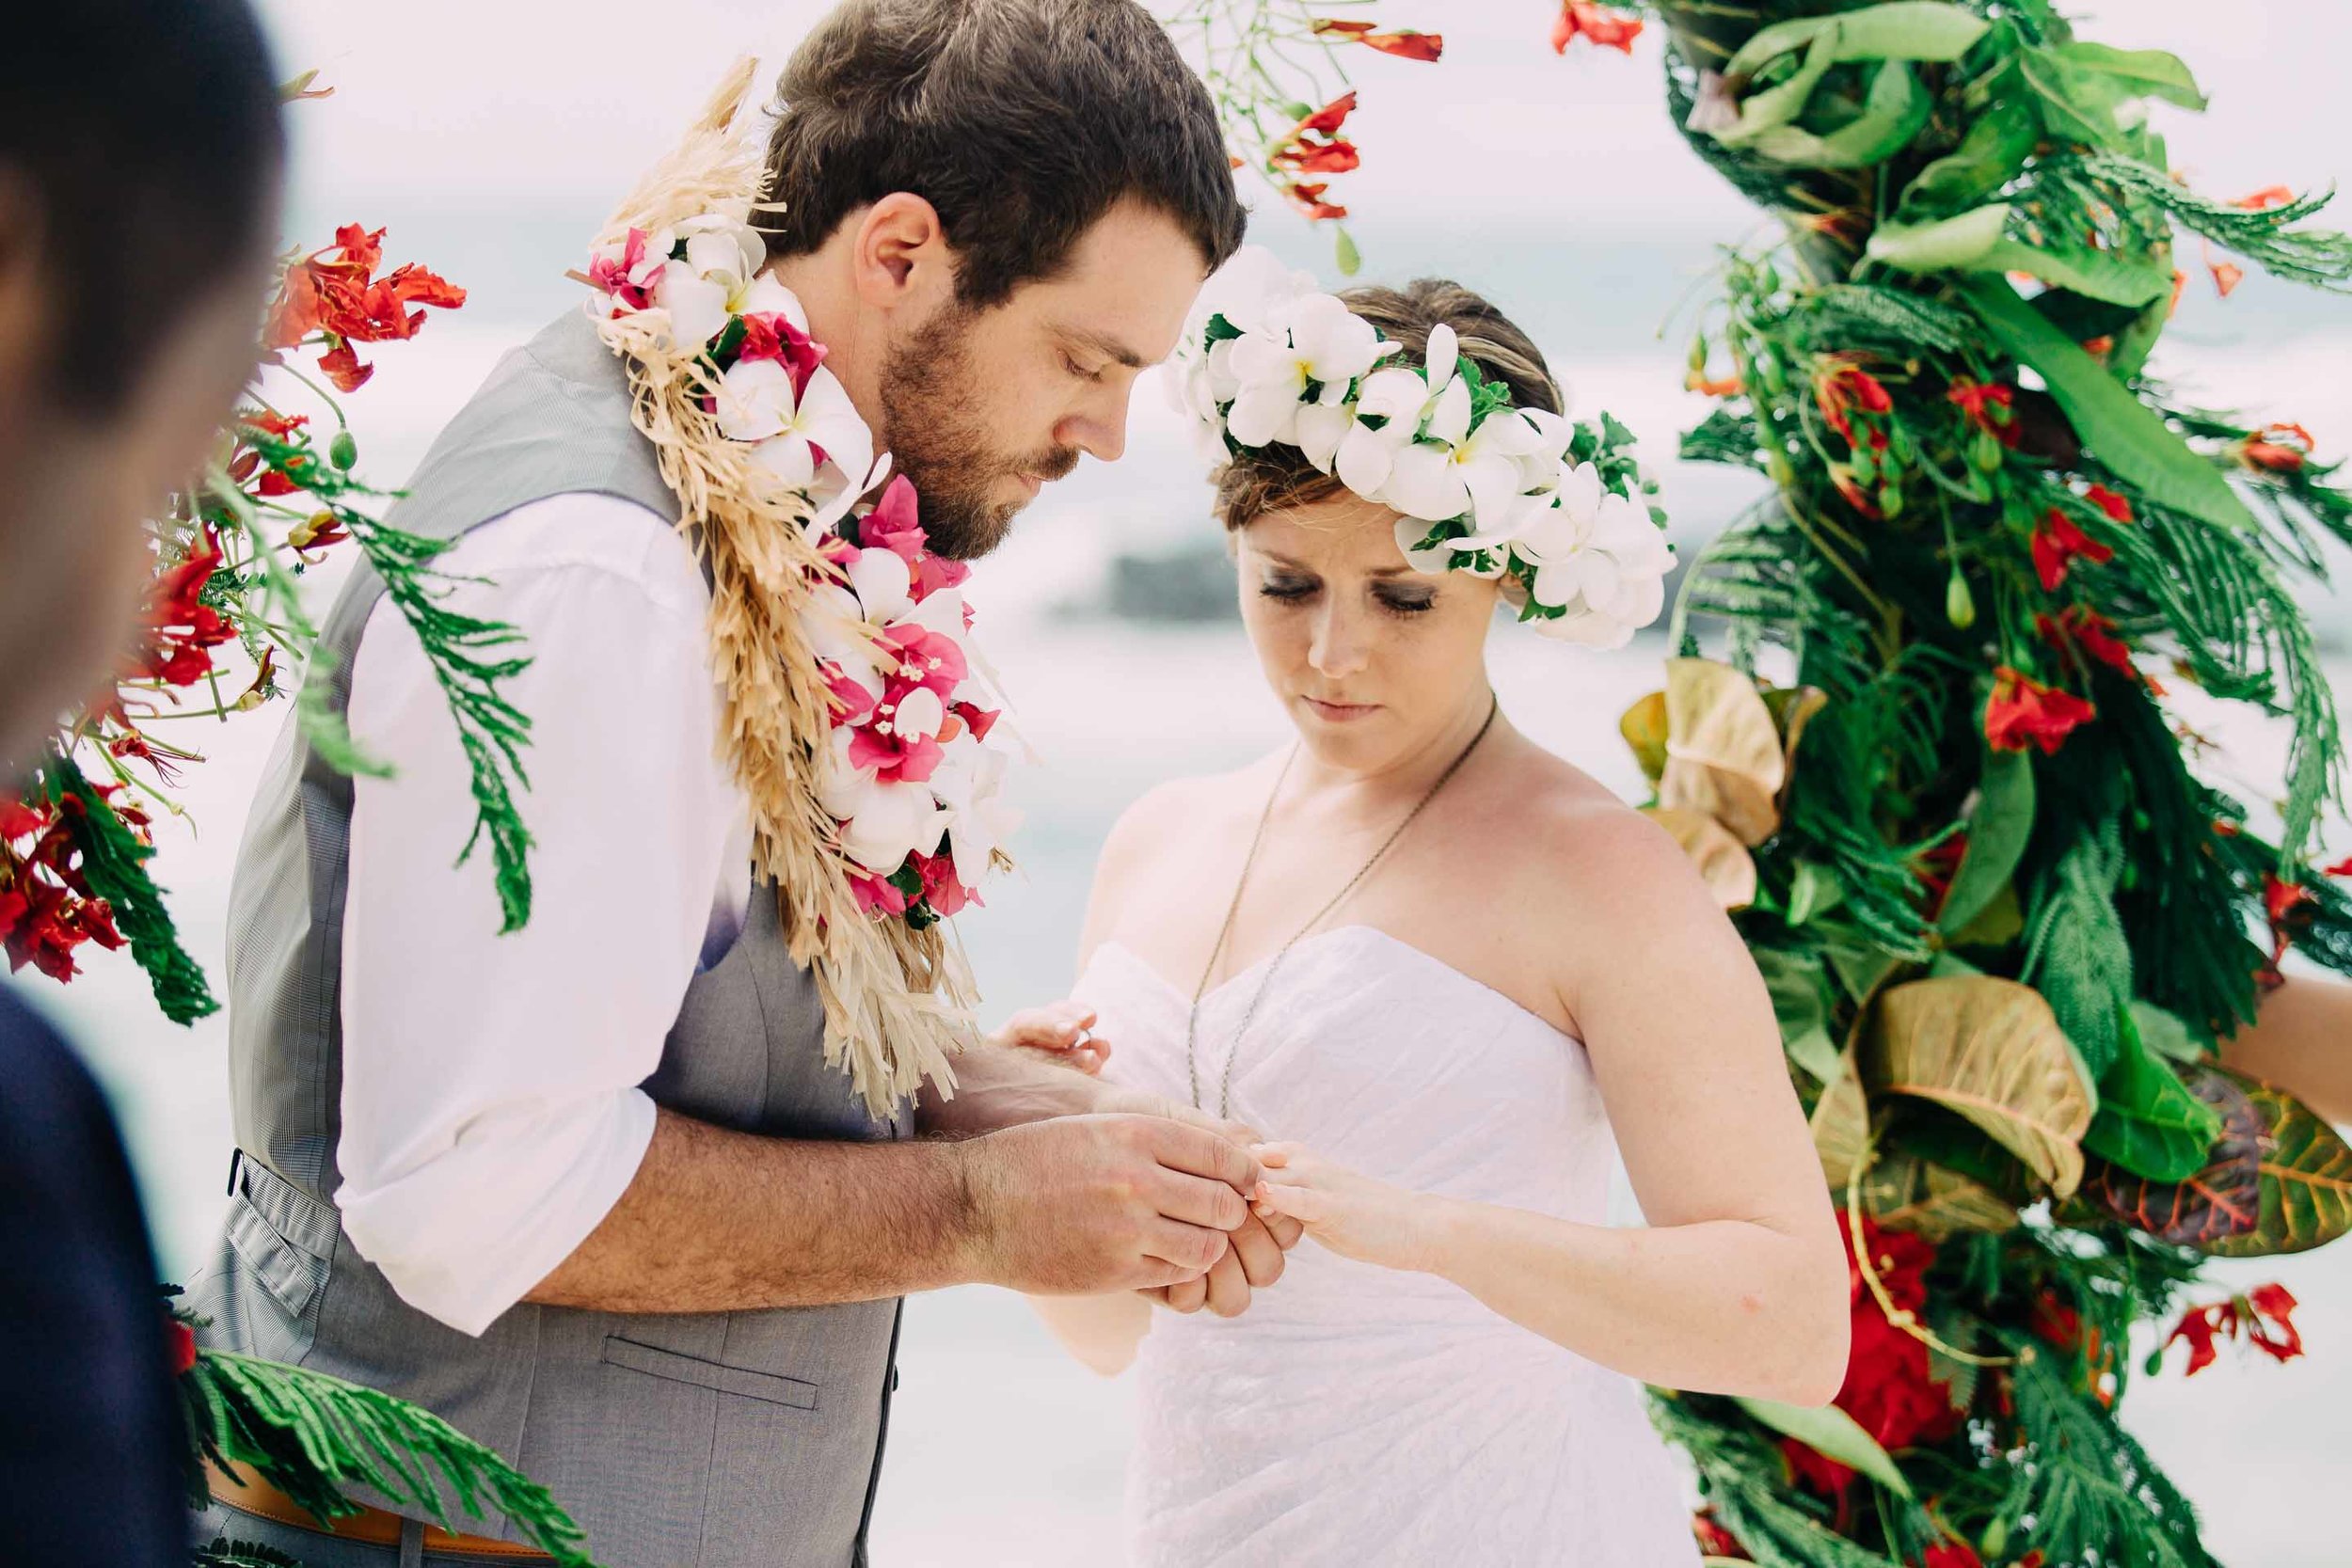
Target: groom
590	1189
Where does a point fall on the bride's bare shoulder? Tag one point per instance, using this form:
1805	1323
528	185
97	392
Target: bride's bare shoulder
1177	811
1577	835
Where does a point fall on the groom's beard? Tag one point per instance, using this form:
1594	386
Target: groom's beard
929	391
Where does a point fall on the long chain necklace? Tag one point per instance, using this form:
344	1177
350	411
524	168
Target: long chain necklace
1192	1019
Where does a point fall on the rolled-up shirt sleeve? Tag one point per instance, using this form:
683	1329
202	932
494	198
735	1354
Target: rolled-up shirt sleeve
492	1112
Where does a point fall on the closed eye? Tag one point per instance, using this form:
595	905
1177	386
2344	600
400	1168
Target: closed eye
1406	601
1288	590
1079	371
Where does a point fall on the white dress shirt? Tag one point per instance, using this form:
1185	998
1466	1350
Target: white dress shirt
491	1107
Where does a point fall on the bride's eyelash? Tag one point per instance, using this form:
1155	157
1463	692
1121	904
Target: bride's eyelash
1287	590
1406	604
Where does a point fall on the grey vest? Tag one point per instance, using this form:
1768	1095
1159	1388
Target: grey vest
703	1441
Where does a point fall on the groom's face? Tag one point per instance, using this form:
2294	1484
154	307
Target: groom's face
985	406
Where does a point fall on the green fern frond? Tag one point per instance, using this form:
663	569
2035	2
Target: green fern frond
312	1436
2272	238
114	865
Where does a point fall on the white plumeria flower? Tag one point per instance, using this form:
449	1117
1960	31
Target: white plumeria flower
969	784
883	583
1597	555
1410	462
720	276
1313	339
755	403
882	823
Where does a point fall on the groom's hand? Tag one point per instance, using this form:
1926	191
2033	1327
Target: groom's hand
1081	1204
1252	1260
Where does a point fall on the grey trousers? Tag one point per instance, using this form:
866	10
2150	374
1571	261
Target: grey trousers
313	1549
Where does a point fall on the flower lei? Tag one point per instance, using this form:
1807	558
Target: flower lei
1552	507
855	710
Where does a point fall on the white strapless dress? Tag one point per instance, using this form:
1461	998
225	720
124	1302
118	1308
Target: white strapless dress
1358	1416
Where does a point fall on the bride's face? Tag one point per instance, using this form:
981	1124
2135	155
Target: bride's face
1372	659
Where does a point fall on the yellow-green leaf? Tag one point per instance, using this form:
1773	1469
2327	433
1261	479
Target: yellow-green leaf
1831	1432
1989	1050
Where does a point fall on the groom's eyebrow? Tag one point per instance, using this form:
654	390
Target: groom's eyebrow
1110	348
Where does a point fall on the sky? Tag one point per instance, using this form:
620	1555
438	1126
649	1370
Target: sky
455	107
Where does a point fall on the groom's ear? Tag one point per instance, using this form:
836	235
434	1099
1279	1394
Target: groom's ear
899	255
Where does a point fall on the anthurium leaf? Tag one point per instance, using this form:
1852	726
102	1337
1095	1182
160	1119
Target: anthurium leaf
2148	1124
1780	103
1945	1140
1722	862
1896	110
1644	726
2076	104
2117	279
2129	437
1998	141
2222	1201
1902	30
2306	1177
1724	755
1841	1122
1997	830
1793	980
2136	72
1908	1192
1989	1051
1831	1432
1961	241
2079	955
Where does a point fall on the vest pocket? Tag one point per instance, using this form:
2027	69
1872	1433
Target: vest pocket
284	1238
656	1362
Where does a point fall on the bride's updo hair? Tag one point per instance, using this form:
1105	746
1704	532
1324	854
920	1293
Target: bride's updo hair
1256	483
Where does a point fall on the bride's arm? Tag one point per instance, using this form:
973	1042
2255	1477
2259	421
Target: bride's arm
1103	1332
1738	1283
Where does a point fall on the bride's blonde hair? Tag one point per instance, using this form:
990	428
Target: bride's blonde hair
1277	476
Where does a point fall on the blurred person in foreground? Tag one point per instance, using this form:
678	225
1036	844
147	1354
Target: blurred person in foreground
140	161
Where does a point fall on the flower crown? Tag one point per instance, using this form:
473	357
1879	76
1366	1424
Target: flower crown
1555	508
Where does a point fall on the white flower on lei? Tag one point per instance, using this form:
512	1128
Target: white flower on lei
795	438
1597	555
969	784
1311	340
882	823
719	276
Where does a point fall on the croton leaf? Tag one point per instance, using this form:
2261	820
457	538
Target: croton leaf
2148	1122
2222	1201
1724	863
1907	1192
1644	726
2306	1171
1991	1051
1723	754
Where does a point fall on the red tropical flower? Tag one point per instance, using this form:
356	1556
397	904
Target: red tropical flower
1715	1541
2057	542
2118	508
1605	28
334	291
877	896
2268	196
1851	489
1952	1554
2279	448
946	896
1844	389
1989	406
183	626
2263	1317
1888	1390
1404	45
2023	712
182	1340
2084	631
1308	200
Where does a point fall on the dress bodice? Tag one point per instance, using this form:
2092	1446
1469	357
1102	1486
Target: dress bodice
1358	1415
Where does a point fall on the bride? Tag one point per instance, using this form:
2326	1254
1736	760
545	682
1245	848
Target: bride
1455	976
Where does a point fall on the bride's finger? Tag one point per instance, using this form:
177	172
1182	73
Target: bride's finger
1303	1204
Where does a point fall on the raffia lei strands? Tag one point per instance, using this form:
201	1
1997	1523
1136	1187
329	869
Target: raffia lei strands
897	1002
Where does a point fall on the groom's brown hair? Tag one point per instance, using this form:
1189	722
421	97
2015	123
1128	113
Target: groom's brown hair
1021	122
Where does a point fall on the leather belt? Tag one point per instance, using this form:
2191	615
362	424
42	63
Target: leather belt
243	1488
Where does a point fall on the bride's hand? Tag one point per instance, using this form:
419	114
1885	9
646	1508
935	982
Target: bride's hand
1058	1034
1353	1214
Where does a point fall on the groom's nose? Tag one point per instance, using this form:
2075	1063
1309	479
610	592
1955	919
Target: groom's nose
1098	428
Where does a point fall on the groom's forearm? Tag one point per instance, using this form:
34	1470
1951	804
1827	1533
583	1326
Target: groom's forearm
718	1221
997	1087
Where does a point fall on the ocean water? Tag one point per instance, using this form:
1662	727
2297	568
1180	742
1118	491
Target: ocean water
1003	1450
